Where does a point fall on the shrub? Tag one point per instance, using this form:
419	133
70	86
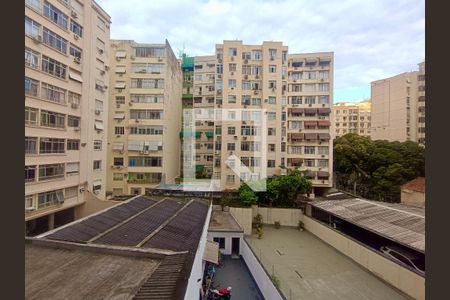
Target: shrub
258	221
260	232
275	280
301	226
277	224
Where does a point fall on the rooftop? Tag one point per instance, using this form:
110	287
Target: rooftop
223	221
157	240
400	223
417	185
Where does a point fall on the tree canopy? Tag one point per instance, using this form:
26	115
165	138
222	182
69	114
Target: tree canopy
378	168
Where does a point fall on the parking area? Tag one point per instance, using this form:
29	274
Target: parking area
308	268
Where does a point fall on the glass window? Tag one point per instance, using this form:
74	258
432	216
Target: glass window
55	15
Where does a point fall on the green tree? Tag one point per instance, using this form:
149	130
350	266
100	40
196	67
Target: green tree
247	195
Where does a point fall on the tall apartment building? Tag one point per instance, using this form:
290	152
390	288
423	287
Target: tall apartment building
144	117
292	92
398	107
66	57
352	117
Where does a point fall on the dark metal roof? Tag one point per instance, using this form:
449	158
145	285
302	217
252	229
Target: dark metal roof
94	225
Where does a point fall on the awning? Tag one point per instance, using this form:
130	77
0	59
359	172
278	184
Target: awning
324	136
75	77
297	110
310	174
296	136
211	253
324	61
120	85
324	123
310	123
118	146
209	134
310	110
119	115
97	183
323	174
121	69
121	54
311	136
325	110
198	134
135	145
99	125
296	160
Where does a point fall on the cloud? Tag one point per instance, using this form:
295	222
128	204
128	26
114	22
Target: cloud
370	39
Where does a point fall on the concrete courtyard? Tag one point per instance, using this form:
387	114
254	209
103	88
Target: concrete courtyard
310	269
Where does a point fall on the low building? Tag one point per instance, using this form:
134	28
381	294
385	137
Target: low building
413	192
225	230
140	249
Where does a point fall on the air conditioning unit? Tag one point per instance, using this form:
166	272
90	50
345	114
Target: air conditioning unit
96	192
219	60
273	89
117	105
30	209
102	72
323	155
295	80
100	51
309	105
232	58
235	137
106	68
74	105
37	39
245	76
82	190
97	111
231	73
60	201
244	138
136	120
219	76
257	76
323	105
132	57
272	58
245	61
160	58
77	60
76	128
321	80
74	14
130	103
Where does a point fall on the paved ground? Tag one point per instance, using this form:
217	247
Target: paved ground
310	269
234	273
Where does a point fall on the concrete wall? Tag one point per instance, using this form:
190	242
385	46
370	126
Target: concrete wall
407	281
412	198
228	240
244	218
92	205
262	279
194	284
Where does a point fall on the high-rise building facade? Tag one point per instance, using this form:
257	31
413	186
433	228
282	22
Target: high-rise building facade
352	117
145	117
66	104
398	107
274	108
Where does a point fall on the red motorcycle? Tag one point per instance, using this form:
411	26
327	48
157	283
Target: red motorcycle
222	294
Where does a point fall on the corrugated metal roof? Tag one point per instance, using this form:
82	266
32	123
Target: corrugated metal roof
400	223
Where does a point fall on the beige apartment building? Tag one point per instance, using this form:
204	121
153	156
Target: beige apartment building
144	117
352	117
272	111
398	107
66	105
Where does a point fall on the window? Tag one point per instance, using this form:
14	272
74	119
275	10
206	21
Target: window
231	115
31	87
271	163
97	145
232	52
118	161
74	98
51	145
231	130
117	176
230	179
246	55
310	150
55	15
97	165
271	147
146	114
53	67
52	119
221	242
73	168
75	51
256	101
71	192
309	162
256	54
309	75
232	67
231	146
54	40
73	145
250	130
146	130
322	163
310	100
272	100
101	24
51	171
29	202
296	150
30	145
272	54
271	131
149	52
232	84
53	93
296	124
324	100
73	121
31	58
323	74
50	198
150	161
272	84
246	85
30	174
271	115
119	130
32	28
145	83
120	100
323	87
145	98
272	68
149	68
309	87
323	150
232	98
36	4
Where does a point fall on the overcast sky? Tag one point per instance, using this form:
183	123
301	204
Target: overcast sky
371	39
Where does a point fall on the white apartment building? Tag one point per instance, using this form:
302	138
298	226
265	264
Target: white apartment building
66	104
145	117
352	117
398	107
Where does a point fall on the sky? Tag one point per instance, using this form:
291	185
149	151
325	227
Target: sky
371	39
